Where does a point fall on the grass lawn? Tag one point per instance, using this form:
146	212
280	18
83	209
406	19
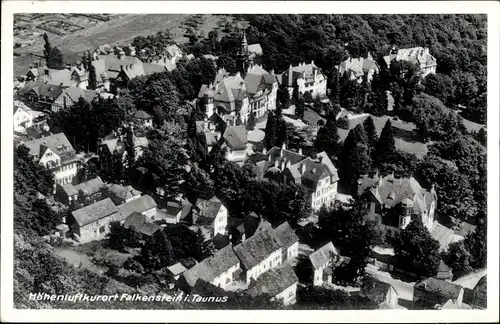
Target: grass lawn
117	31
404	133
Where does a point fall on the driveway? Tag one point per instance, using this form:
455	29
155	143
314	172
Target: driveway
404	289
470	280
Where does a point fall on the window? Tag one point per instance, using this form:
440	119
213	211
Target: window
101	230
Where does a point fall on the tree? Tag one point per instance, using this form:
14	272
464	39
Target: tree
308	97
295	94
281	134
328	139
385	148
47	47
204	248
379	103
55	59
302	138
371	131
300	108
440	86
283	97
335	89
198	184
354	159
226	62
416	251
251	121
156	253
458	258
352	235
30	177
475	243
92	77
270	130
116	236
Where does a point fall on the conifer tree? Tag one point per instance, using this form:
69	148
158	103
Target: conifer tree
270	138
328	139
47	47
355	158
251	121
371	131
281	134
386	145
92	78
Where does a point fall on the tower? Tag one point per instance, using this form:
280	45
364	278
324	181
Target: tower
407	210
243	59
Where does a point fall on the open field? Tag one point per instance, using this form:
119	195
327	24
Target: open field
404	133
120	30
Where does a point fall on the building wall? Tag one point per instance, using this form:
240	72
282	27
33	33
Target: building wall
225	279
236	155
325	194
420	294
96	230
317	86
220	222
63	172
293	251
288	296
272	261
22	120
391	299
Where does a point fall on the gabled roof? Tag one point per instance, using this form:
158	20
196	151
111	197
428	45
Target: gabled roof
150	68
89	187
212	267
173	50
177	269
141	114
135	219
323	255
123	193
57	143
75	93
255	49
174	207
205	211
147	228
140	205
273	282
42	89
236	137
94	212
257	248
439	287
286	235
391	191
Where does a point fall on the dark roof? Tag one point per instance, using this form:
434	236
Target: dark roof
123	193
253	223
135	219
43	89
273	282
212	267
286	235
293	157
440	287
89	187
257	248
236	137
391	191
206	210
323	255
76	93
139	205
94	212
203	288
146	228
374	289
57	143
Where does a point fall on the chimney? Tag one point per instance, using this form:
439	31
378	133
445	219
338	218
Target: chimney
369	56
312	62
46	70
130	66
276	163
272	72
283	147
238	75
288	164
205	124
121	67
302	168
270	157
68	67
264	151
282	165
300	150
320	159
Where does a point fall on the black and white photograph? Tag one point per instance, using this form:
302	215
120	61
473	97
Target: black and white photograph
251	161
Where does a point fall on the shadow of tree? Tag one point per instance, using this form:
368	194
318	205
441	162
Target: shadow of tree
406	135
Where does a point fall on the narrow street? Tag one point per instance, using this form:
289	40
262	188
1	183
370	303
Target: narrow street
404	289
470	280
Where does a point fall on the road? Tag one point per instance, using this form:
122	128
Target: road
404	289
470	280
